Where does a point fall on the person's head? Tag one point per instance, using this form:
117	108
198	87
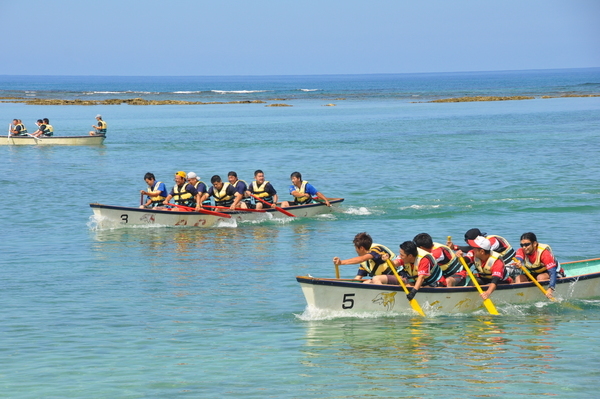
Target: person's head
232	177
473	234
482	247
15	121
296	178
362	240
39	122
99	117
46	120
259	176
423	240
408	252
217	182
192	177
149	178
529	243
180	177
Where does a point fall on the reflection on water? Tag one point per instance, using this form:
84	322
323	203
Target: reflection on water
461	353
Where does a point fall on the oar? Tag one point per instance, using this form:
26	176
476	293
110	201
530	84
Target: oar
190	209
489	305
533	279
236	209
337	270
413	302
278	208
31	135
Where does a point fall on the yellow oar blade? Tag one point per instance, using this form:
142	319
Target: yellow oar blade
489	305
416	307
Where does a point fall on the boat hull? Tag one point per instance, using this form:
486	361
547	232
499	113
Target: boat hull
54	140
119	216
349	296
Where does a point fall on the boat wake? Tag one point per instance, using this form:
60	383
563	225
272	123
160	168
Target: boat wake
357	211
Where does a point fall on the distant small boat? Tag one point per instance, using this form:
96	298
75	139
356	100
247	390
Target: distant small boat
582	281
53	140
109	216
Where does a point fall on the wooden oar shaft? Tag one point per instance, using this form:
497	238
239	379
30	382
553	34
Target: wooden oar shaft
533	279
236	209
190	209
276	207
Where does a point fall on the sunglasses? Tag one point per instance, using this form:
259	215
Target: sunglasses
525	244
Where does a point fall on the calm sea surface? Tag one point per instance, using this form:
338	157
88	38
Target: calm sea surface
165	312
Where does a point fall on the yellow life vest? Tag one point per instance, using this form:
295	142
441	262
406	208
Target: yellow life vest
413	268
49	128
374	268
451	266
485	271
260	191
305	198
221	195
23	128
102	126
537	266
180	194
158	198
508	253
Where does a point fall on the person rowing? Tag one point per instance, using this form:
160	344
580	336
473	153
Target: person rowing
489	265
263	189
370	258
18	128
539	261
183	193
241	187
445	258
156	192
223	193
303	192
499	244
199	185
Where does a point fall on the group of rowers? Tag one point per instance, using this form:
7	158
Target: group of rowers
17	128
190	192
423	262
44	128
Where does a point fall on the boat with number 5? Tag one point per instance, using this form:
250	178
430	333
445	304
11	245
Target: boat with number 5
109	216
582	281
54	140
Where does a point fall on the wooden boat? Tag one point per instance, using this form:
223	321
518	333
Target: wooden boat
341	296
108	216
53	140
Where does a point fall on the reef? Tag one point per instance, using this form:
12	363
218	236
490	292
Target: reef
116	101
506	98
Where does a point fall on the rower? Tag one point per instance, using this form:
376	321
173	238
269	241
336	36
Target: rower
262	189
370	258
223	193
303	192
489	265
183	193
157	192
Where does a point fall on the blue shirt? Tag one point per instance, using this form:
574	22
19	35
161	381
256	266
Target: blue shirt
309	189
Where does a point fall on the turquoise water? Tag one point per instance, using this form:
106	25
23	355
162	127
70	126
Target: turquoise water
181	312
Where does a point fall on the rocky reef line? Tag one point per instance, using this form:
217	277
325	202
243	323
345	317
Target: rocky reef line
116	101
505	98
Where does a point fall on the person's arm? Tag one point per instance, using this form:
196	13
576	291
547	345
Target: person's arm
236	201
497	274
324	198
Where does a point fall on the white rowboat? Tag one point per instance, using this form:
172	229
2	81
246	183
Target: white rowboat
582	281
54	140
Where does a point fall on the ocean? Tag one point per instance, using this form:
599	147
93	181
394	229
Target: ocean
165	312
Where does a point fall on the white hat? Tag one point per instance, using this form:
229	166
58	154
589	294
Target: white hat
192	175
480	242
98	116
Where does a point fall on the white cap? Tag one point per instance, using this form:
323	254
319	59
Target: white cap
481	242
98	116
192	175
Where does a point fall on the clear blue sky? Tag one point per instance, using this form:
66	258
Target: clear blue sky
285	37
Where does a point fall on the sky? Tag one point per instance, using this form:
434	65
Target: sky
301	37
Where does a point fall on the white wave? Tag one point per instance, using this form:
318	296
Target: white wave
238	91
119	92
313	314
310	89
187	92
357	211
420	207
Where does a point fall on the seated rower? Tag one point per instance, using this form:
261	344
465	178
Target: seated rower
49	131
100	128
539	261
241	187
420	268
157	192
17	128
369	258
41	128
224	193
445	258
262	189
183	193
302	192
489	265
499	244
200	186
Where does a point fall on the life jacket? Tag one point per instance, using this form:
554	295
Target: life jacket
49	131
413	268
181	196
485	271
305	199
537	267
102	124
221	196
260	191
449	266
373	268
158	198
504	249
207	200
23	129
